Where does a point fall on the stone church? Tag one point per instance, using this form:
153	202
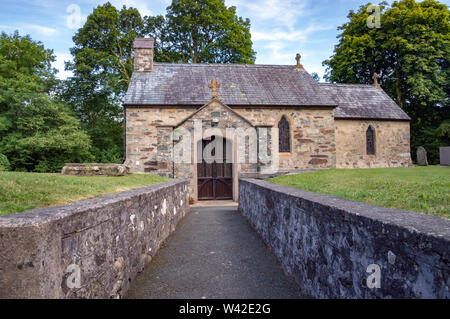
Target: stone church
173	108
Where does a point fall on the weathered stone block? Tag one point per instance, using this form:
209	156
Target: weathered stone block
95	170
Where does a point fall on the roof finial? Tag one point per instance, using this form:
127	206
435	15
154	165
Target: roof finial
214	85
375	78
299	65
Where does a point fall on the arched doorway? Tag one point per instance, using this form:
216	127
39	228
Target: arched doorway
215	179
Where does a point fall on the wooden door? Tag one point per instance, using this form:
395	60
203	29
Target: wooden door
215	180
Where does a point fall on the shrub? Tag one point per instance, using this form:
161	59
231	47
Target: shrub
4	163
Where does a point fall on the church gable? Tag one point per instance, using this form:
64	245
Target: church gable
216	114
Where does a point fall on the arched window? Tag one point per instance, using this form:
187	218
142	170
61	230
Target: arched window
284	135
370	141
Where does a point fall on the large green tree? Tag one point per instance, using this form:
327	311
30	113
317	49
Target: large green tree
411	52
37	132
102	68
207	31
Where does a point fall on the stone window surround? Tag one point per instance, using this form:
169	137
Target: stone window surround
374	141
289	119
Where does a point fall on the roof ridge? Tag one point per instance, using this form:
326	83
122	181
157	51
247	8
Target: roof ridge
284	66
347	84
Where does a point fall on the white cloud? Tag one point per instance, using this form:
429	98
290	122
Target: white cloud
280	47
31	28
141	5
278	34
46	31
59	64
280	12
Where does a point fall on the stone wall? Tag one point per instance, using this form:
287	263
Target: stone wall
392	139
109	239
312	134
145	128
216	118
327	244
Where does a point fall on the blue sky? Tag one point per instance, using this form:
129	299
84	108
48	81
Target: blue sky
280	28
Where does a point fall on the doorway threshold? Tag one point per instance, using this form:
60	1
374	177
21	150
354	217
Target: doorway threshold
215	203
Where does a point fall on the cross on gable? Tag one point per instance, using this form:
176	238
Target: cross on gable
299	65
375	78
214	85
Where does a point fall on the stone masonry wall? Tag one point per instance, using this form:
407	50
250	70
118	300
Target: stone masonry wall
142	134
392	139
109	239
143	60
225	119
312	134
327	243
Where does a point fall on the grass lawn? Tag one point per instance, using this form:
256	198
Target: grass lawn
23	191
419	189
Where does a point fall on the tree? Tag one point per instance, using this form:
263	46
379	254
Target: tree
315	76
37	133
411	52
206	31
102	67
104	46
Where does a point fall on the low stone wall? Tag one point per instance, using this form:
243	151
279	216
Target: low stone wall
336	248
95	170
89	249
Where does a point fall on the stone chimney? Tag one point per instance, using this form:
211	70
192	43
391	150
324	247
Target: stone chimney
143	55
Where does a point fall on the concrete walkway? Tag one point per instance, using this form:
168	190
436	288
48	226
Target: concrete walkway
213	254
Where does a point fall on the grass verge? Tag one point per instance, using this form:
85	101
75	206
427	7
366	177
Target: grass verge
419	189
24	191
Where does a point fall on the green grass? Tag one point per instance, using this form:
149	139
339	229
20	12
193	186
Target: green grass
419	189
24	191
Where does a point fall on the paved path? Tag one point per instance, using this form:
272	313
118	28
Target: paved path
213	254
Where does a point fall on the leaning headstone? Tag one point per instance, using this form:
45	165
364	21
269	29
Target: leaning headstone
445	155
422	156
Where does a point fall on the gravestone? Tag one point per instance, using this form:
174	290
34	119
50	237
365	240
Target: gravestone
445	155
422	156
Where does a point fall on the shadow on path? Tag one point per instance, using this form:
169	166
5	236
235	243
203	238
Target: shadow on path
213	253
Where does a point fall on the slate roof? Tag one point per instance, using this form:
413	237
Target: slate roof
187	84
174	84
363	102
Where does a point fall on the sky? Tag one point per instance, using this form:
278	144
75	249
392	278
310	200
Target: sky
279	28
